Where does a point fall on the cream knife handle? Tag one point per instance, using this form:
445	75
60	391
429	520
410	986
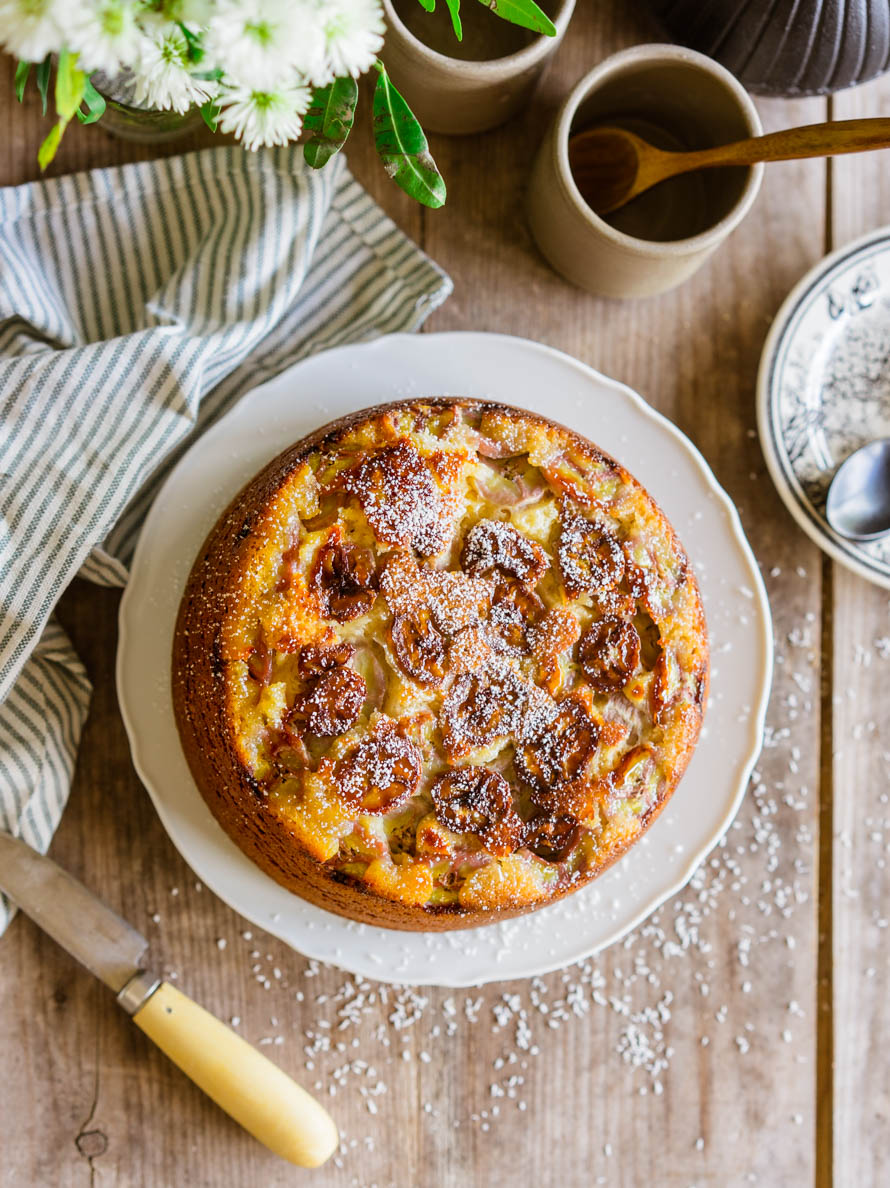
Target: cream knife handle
253	1090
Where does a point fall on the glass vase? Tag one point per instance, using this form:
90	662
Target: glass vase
126	119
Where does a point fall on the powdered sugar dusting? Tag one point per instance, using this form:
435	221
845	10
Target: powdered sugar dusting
401	499
495	546
455	599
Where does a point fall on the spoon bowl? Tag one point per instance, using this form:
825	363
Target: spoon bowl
605	163
858	503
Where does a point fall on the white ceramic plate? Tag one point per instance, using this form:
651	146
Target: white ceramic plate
536	377
824	388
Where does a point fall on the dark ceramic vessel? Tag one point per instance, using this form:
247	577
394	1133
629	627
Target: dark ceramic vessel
786	47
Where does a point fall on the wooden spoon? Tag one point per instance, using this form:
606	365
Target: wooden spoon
611	165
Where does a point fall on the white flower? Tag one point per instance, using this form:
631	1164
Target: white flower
264	117
31	29
162	78
104	34
353	31
260	43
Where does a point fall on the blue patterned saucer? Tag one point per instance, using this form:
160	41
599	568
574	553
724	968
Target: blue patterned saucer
823	389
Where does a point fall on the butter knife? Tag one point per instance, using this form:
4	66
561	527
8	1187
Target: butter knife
250	1088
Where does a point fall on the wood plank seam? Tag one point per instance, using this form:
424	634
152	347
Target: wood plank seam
824	1105
824	1155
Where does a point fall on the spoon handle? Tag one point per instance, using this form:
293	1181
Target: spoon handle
812	140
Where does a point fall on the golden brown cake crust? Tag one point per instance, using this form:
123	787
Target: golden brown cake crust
578	610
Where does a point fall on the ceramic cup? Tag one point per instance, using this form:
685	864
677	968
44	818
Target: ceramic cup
677	99
473	85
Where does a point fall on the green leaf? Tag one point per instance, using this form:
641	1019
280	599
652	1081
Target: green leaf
454	9
47	150
42	76
70	86
522	12
210	112
330	120
402	146
22	70
193	41
95	105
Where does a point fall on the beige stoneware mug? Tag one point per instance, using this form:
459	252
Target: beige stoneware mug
469	86
677	99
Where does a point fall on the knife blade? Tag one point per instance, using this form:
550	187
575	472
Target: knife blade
243	1082
107	945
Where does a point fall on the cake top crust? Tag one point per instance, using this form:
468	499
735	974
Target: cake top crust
463	654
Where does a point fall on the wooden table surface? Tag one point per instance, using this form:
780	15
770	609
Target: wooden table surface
737	1037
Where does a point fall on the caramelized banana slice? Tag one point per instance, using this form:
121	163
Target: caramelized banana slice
666	684
590	558
344	578
419	646
401	498
557	754
315	661
382	772
637	775
514	612
260	663
290	755
479	708
609	653
552	838
493	546
331	706
476	800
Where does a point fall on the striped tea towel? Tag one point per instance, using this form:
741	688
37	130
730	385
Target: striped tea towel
137	305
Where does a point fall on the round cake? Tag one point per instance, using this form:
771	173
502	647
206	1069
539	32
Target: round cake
440	663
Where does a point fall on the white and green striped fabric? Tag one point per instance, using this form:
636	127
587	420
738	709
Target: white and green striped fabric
137	305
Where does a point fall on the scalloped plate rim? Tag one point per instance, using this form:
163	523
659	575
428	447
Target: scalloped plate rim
483	974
